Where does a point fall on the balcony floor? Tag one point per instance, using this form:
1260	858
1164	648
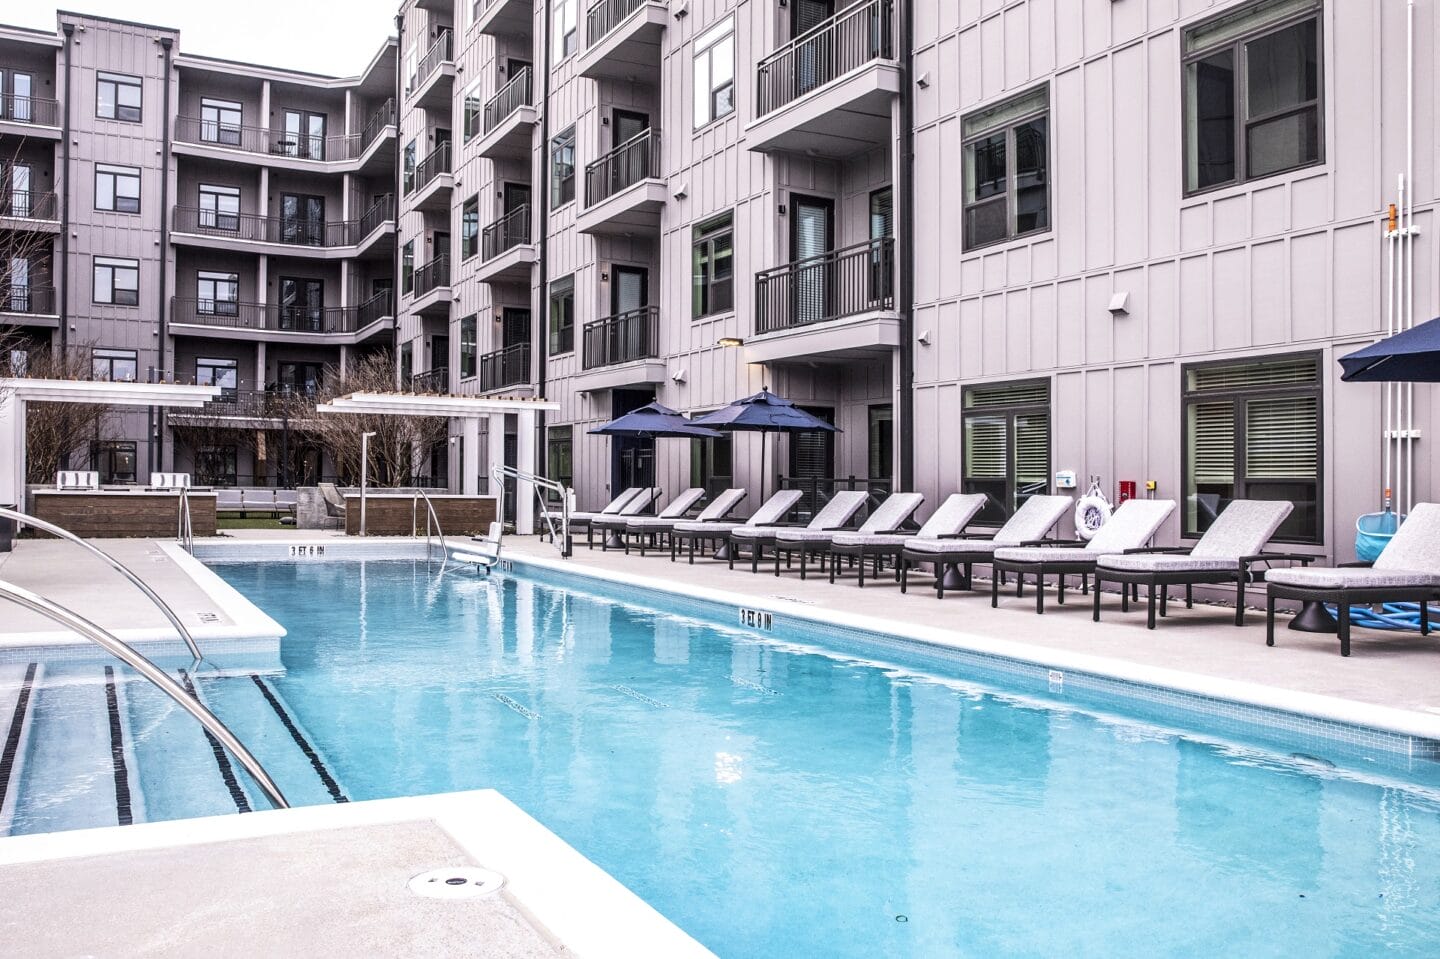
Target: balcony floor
513	137
849	115
631	51
863	336
635	210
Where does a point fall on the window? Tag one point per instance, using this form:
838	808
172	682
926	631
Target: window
220	121
114	460
470	228
562	168
714	270
1252	94
1006	445
1007	163
407	362
711	465
114	366
566	18
21	177
15	295
215	466
469	346
1252	431
304	135
412	68
117	97
474	109
407	267
220	208
302	304
20	107
217	294
117	281
408	163
715	73
562	316
881	446
117	188
300	377
222	373
560	455
882	227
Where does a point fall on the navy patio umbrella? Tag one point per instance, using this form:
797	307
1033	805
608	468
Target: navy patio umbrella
764	412
652	420
1409	357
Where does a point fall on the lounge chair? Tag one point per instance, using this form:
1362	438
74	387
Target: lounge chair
1235	540
772	511
1129	527
615	526
832	516
653	528
1035	518
643	499
953	516
334	502
889	517
1408	571
581	519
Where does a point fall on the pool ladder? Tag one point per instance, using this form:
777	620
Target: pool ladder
557	525
430	516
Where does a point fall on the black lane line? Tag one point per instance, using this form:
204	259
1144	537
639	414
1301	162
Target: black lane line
12	737
330	784
117	752
222	758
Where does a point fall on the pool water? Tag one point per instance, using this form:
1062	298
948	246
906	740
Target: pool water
776	799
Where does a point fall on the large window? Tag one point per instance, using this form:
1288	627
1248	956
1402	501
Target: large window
566	14
220	208
1252	431
560	455
407	267
117	188
117	97
222	373
114	366
299	377
562	316
114	460
469	345
562	168
470	228
117	281
1252	94
881	445
217	294
715	73
1006	446
474	109
220	121
1007	169
408	166
714	267
712	465
216	466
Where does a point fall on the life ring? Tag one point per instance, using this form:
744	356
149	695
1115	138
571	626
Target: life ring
1092	511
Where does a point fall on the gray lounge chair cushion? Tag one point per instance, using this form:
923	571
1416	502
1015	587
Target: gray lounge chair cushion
952	547
893	513
1167	563
585	517
1325	577
673	510
895	540
771	511
641	523
832	516
804	536
953	515
1416	545
1129	527
1242	529
714	529
754	532
1412	558
722	506
1045	554
1035	517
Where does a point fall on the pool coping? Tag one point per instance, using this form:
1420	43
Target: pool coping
572	901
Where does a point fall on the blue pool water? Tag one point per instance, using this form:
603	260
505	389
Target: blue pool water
777	799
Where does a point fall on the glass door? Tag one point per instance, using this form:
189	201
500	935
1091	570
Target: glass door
22	87
811	56
21	177
812	462
302	219
812	236
302	304
304	135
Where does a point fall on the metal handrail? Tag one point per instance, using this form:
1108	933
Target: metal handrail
28	520
157	677
186	534
561	537
415	497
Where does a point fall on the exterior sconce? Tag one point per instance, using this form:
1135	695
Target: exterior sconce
730	341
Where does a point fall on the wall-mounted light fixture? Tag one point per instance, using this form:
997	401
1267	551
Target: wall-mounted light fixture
782	209
604	277
730	341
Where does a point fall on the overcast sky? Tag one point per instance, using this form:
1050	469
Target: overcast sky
280	33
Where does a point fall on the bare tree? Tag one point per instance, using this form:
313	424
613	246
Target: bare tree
401	446
54	431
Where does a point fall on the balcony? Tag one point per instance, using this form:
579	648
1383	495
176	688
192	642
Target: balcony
622	351
830	91
624	192
30	116
431	381
430	187
508	120
622	40
836	306
507	250
30	211
248	409
434	78
253	233
430	292
377	143
377	309
504	18
374	232
28	306
505	368
230	141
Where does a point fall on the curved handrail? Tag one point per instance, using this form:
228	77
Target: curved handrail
119	567
430	507
157	676
560	538
186	532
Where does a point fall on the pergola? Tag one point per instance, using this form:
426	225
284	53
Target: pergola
469	410
15	393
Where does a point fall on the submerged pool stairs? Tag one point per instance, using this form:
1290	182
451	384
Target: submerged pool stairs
88	744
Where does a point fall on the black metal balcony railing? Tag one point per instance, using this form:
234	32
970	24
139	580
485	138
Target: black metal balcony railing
862	32
383	209
376	308
633	335
846	282
502	368
273	404
264	140
436	163
638	158
383	117
511	230
511	97
23	109
438	53
30	300
605	16
29	205
433	275
240	315
291	231
431	381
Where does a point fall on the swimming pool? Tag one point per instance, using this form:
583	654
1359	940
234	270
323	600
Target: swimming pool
778	797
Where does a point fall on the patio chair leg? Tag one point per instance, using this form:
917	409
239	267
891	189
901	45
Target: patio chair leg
1095	615
1019	583
1189	596
860	572
1084	584
1240	601
733	550
1150	608
902	573
1125	597
1060	589
833	566
994	589
1040	592
1424	617
966	583
1269	618
1343	609
898	561
804	559
1164	601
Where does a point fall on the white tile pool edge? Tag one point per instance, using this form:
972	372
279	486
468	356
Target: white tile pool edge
576	903
1326	708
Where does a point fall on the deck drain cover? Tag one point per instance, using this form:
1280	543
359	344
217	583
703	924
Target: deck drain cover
457	882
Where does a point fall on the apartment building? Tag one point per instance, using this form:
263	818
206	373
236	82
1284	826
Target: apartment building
212	222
